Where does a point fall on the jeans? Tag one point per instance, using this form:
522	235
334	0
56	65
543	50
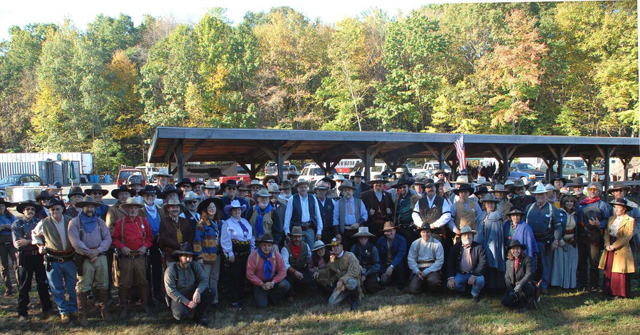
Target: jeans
462	282
63	276
274	295
180	311
309	237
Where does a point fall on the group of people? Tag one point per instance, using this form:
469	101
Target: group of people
343	238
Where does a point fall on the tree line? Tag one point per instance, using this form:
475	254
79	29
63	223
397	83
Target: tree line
515	68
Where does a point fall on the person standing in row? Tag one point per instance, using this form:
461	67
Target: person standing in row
174	230
7	250
617	260
206	243
238	242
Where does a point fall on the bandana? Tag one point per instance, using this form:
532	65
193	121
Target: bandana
588	201
259	220
88	223
268	267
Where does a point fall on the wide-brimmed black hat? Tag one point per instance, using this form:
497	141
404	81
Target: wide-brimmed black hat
286	185
184	181
76	190
57	202
515	210
122	188
489	198
21	206
203	205
618	186
356	174
563	179
622	202
482	190
6	203
266	180
577	182
516	243
96	188
463	187
185	249
229	183
44	195
148	189
330	181
403	180
168	190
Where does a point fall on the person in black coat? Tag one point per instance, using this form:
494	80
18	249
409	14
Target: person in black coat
466	263
519	278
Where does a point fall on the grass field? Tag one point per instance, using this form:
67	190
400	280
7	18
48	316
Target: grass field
387	312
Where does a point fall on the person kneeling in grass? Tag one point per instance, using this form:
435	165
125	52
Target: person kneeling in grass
345	271
266	271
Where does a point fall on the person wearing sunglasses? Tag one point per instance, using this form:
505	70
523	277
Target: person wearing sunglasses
190	212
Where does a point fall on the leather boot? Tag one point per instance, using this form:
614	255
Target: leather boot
81	299
124	301
104	299
144	294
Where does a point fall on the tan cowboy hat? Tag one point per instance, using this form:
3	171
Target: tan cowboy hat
346	184
363	232
132	202
172	202
300	183
262	193
88	201
499	188
618	186
256	182
296	231
462	179
318	245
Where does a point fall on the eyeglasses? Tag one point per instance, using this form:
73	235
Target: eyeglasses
592	189
55	209
231	188
95	194
190	202
30	209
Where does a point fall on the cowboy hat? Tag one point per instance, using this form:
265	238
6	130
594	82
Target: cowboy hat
356	174
401	169
121	189
87	201
514	211
332	194
300	183
336	242
346	185
337	177
234	204
419	181
462	179
482	190
622	202
148	190
439	171
266	180
489	198
379	179
363	232
210	184
229	183
168	190
550	188
262	193
57	202
482	181
6	203
132	202
499	188
185	250
403	180
96	188
317	245
519	183
540	189
467	230
562	179
44	195
21	206
618	186
256	182
425	226
329	181
266	238
321	185
286	185
76	190
464	187
447	187
388	226
190	196
296	231
205	204
273	188
516	243
242	185
184	181
577	182
172	202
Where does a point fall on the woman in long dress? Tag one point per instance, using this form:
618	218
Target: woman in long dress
490	233
565	258
617	259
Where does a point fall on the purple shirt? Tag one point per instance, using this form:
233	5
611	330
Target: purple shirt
98	239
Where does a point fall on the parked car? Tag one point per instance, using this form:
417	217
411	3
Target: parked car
241	173
272	169
428	169
19	180
577	167
525	171
312	173
125	174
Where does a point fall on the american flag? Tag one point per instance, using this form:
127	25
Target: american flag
462	157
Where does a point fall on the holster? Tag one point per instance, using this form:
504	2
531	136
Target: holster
116	259
79	260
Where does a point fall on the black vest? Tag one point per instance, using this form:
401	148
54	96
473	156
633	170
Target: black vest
430	215
296	216
364	254
326	212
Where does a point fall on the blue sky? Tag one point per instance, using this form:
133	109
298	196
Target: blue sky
22	12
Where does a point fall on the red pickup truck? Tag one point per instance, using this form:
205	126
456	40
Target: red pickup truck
241	174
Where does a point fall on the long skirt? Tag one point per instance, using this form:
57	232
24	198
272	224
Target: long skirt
565	267
494	279
615	284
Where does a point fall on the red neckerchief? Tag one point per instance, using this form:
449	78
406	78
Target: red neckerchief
589	201
295	250
515	266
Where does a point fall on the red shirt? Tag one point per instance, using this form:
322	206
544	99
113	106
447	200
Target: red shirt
136	233
255	272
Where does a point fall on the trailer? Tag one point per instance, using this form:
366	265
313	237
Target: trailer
63	167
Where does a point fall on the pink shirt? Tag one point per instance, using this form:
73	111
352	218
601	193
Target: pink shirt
255	272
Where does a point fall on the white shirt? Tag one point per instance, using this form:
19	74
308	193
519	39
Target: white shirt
442	220
304	217
613	230
232	230
38	231
421	251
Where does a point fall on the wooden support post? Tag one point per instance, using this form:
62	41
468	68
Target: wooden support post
625	166
280	163
367	163
180	160
607	171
